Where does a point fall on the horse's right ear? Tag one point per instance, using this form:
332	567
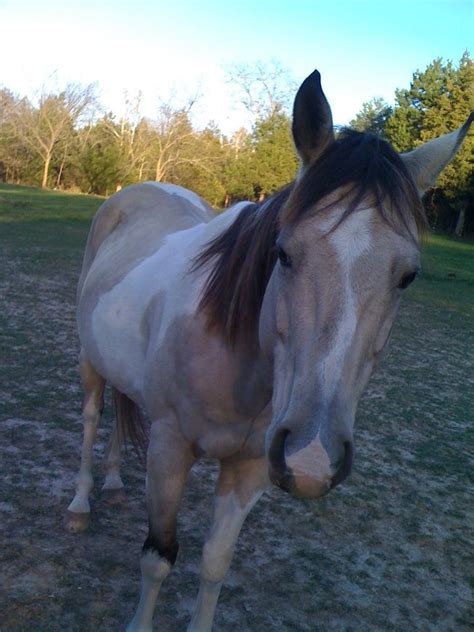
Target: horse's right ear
312	120
426	162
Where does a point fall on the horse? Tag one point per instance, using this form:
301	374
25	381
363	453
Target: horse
247	336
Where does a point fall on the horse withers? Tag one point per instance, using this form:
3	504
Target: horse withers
247	337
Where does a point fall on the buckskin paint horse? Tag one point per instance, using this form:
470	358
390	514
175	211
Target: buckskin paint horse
249	336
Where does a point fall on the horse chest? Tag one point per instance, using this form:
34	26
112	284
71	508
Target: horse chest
216	394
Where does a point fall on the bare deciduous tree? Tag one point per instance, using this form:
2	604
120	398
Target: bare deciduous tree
174	138
262	88
46	126
132	133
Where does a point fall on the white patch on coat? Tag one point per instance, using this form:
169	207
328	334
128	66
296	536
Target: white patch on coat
351	240
118	316
113	480
174	189
80	503
155	570
229	515
238	206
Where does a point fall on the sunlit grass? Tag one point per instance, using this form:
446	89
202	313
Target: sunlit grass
447	276
30	204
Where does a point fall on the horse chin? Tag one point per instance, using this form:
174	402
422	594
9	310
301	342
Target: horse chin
304	487
311	470
307	487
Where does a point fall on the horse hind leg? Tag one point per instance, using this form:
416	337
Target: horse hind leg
128	423
113	488
78	512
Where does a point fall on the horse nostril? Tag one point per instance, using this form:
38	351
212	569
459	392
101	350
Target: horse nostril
344	465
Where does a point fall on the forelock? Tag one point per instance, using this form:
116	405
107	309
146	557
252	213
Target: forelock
358	166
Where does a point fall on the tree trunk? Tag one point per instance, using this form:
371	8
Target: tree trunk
58	180
158	173
44	182
61	168
459	230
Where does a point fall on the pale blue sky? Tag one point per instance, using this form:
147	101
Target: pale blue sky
363	48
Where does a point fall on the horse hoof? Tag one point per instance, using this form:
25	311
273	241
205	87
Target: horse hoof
75	522
114	497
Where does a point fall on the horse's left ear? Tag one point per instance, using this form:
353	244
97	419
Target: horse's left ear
312	119
426	162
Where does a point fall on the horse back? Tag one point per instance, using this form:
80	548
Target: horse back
133	221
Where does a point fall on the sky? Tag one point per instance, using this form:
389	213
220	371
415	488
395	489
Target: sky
163	48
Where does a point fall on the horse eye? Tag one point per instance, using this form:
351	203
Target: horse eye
283	258
407	279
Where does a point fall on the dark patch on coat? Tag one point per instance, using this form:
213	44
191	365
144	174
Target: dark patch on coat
167	550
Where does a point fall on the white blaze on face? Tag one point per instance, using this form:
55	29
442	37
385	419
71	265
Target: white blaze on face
350	240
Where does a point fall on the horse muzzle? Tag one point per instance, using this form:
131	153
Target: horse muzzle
308	472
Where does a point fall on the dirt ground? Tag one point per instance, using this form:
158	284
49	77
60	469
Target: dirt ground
391	549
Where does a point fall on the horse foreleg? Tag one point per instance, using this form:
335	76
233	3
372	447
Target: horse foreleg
169	460
113	487
78	512
241	483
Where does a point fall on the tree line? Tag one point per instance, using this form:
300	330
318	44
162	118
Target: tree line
439	100
65	140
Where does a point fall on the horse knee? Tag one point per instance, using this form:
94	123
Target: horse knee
155	569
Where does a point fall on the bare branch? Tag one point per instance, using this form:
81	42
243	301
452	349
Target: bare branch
262	88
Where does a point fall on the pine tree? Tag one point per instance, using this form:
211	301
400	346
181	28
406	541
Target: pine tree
373	117
273	159
438	101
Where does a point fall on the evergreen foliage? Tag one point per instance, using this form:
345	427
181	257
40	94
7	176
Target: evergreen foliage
438	101
373	117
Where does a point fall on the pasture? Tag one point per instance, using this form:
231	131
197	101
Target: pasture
391	549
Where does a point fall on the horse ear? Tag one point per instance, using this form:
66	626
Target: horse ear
426	162
312	120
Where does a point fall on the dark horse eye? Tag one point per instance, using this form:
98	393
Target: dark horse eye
406	280
283	258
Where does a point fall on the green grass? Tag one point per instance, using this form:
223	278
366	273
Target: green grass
447	277
45	231
446	280
29	204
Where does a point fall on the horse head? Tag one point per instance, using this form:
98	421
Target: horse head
347	247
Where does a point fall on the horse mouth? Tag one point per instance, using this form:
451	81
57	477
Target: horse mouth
308	473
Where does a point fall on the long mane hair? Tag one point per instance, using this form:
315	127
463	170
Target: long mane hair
242	258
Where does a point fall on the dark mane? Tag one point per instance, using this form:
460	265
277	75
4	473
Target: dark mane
242	259
363	165
243	256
